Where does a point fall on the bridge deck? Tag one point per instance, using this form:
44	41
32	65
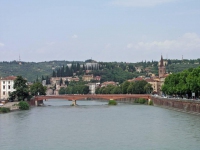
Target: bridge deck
93	96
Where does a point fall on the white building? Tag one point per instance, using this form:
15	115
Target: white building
7	84
92	87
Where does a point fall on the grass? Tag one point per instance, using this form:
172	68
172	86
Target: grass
4	110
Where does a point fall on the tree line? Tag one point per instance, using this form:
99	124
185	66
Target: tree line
137	87
24	92
75	88
183	83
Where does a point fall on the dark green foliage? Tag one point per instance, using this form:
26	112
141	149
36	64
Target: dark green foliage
75	88
151	102
110	71
21	89
125	86
47	80
37	89
4	110
115	74
148	88
138	87
186	82
112	102
141	101
62	90
23	105
116	90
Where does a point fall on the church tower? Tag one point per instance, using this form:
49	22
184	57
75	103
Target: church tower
161	68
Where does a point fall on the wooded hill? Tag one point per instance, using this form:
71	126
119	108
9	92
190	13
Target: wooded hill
115	71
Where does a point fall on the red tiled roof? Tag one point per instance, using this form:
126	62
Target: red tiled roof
138	79
151	80
9	78
108	82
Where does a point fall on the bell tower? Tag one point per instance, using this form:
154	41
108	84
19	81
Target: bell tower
161	68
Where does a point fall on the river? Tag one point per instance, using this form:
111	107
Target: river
93	125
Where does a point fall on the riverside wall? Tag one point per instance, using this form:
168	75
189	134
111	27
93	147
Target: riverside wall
185	105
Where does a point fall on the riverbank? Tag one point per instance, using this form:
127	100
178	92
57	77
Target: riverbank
11	105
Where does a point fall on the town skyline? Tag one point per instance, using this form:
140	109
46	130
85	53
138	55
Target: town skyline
106	30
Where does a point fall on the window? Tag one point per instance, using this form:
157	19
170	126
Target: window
4	87
3	82
4	93
8	82
9	87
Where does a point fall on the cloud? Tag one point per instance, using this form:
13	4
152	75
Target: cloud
129	45
140	3
188	42
75	36
1	44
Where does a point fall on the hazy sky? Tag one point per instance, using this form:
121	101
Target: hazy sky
104	30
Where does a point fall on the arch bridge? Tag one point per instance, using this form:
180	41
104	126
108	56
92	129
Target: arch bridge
75	97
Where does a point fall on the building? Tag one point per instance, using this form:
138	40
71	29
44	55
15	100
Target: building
87	77
155	81
92	87
162	74
154	84
104	84
161	68
7	84
97	78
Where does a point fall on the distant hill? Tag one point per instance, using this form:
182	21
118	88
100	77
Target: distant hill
109	70
30	70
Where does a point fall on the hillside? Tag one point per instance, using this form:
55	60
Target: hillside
116	71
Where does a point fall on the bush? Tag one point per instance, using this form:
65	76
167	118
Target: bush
151	102
23	105
112	102
136	101
4	110
141	101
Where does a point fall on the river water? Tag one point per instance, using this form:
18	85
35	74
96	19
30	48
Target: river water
94	125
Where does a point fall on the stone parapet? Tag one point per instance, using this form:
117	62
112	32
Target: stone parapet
186	105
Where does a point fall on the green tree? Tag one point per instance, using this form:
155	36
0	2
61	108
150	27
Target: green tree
21	89
97	91
139	87
37	89
148	88
125	86
130	88
116	90
62	90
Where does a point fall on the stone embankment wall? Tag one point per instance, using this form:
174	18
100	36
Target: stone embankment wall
191	106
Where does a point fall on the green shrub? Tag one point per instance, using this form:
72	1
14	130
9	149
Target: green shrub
136	101
141	101
4	109
112	102
23	105
151	102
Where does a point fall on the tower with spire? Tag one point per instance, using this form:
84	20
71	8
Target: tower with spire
161	68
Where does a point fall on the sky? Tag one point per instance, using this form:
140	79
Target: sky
104	30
